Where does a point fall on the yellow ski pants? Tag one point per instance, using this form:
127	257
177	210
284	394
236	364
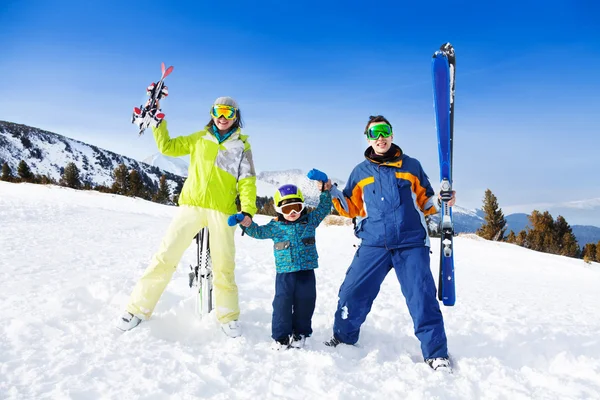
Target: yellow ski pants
188	221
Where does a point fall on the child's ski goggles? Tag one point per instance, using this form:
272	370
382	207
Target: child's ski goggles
220	110
287	209
374	132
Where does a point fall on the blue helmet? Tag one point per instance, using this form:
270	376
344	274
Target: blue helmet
288	192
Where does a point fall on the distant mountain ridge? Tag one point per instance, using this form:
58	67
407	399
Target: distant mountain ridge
465	220
176	165
47	153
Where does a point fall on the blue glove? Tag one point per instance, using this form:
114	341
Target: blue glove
317	175
235	219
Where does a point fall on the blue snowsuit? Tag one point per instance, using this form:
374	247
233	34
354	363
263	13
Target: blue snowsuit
389	197
295	260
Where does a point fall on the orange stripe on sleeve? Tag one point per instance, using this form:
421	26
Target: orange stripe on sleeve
430	211
355	202
417	189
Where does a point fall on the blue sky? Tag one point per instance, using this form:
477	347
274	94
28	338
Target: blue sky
307	76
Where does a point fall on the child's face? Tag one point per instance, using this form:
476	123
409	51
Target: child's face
294	207
292	216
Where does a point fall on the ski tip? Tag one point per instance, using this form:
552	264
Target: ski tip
167	71
162	68
446	50
447	47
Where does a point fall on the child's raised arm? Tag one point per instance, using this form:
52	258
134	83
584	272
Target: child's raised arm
323	209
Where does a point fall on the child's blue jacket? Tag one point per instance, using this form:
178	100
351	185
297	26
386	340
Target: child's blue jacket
294	242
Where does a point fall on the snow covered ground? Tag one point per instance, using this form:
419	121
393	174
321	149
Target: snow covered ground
526	325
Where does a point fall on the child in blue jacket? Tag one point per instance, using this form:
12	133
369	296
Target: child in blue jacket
293	234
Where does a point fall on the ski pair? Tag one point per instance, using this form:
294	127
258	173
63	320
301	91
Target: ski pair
201	277
443	71
143	115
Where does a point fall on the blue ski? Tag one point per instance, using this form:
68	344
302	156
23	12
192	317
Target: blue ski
443	69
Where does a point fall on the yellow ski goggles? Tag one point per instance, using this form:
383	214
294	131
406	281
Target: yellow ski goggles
374	132
221	110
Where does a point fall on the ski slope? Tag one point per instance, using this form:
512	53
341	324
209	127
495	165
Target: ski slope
525	326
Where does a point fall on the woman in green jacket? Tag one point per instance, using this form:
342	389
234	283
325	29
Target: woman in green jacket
221	168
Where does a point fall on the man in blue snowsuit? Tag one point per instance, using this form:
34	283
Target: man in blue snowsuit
389	194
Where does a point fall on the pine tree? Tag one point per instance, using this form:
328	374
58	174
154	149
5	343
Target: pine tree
268	208
136	186
177	192
70	176
598	251
261	201
121	183
540	236
163	194
103	189
6	173
511	238
495	224
24	172
589	252
87	184
565	242
46	180
521	239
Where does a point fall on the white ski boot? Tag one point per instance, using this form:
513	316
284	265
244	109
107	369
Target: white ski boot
232	329
281	344
298	341
128	321
439	364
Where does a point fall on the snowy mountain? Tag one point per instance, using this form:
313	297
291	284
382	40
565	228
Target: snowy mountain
47	153
465	220
269	181
175	165
525	325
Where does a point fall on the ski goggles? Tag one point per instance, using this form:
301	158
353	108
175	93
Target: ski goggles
220	110
377	131
289	208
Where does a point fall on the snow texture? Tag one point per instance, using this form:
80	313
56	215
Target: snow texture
525	325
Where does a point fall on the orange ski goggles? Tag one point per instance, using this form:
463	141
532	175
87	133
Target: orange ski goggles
287	209
221	110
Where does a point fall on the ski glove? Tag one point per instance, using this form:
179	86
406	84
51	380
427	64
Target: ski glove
317	175
446	195
235	219
147	119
